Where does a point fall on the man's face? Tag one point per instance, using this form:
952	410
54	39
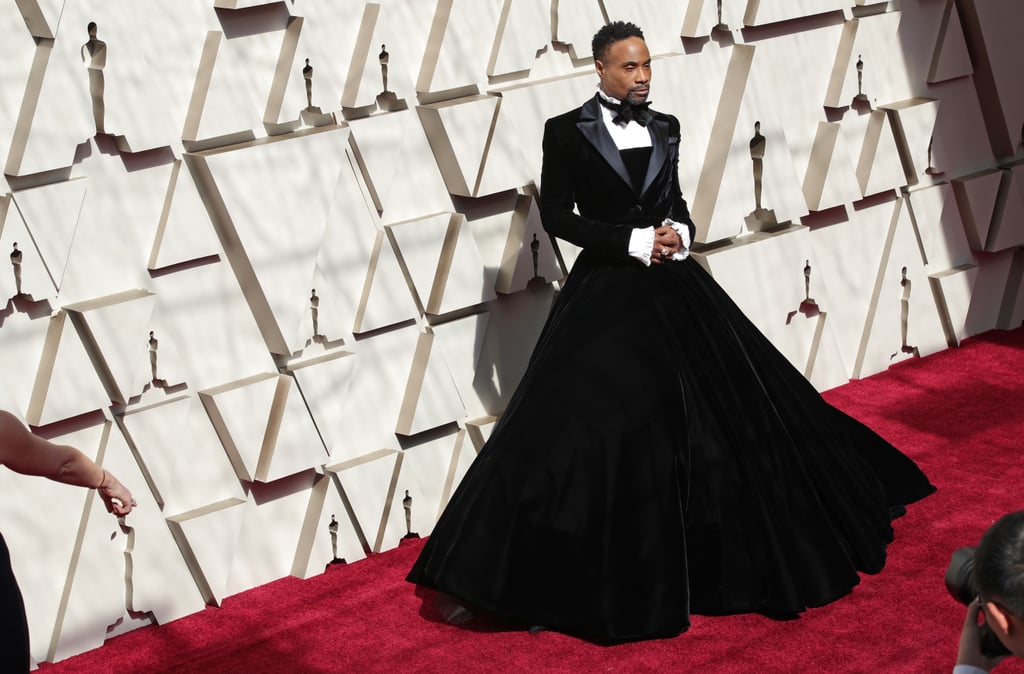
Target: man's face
625	70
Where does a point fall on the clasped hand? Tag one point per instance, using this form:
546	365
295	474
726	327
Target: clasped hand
667	243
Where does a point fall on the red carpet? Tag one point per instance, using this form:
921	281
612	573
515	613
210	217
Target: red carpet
957	413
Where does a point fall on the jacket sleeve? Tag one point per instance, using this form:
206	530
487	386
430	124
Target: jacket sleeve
558	198
680	211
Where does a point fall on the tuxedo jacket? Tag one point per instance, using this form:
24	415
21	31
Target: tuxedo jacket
586	194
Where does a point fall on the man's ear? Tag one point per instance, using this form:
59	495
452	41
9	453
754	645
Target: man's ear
999	620
600	68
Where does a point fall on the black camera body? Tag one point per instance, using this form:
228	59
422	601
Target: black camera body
962	586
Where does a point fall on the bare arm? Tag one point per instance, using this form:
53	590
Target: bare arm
29	454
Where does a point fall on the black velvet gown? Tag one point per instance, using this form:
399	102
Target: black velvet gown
660	458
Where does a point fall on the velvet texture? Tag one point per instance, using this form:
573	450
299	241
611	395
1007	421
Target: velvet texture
660	457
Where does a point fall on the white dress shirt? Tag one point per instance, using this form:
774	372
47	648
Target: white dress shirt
628	136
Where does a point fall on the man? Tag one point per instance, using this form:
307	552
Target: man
24	452
585	151
999	577
614	497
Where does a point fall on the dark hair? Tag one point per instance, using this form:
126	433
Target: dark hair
999	562
611	33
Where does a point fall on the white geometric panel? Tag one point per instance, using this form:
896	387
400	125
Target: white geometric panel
53	211
994	28
324	383
460	32
114	325
233	83
148	71
443	261
328	534
145	429
25	273
760	12
794	97
386	298
241	412
185	232
273	197
154	583
114	237
524	257
460	133
94	597
389	35
904	321
524	110
461	341
846	258
950	58
870	61
659	19
399	167
700	18
977	195
66	384
24	339
990	288
55	115
202	474
380	376
914	120
16	52
505	167
362	280
954	288
878	160
830	179
758	186
292	443
207	537
941	229
39	16
712	107
575	22
514	325
431	399
422	477
522	32
206	331
43	539
775	307
267	543
1008	220
328	30
368	485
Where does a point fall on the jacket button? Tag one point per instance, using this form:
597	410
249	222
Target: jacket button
637	208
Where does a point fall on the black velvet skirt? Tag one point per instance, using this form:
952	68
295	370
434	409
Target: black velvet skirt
660	458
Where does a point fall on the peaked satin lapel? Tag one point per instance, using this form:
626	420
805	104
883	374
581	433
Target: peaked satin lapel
592	127
659	150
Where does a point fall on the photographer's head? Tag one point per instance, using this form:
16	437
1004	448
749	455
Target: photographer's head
999	576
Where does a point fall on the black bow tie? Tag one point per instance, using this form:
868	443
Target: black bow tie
627	111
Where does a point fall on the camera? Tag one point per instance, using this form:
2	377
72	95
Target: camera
962	586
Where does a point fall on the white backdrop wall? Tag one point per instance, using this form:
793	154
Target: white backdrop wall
263	306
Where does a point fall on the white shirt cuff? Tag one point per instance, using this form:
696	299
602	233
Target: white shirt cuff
684	234
641	242
969	669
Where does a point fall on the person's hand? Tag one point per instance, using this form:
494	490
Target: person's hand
115	495
969	651
667	243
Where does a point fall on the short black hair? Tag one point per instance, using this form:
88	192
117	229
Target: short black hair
611	33
999	562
